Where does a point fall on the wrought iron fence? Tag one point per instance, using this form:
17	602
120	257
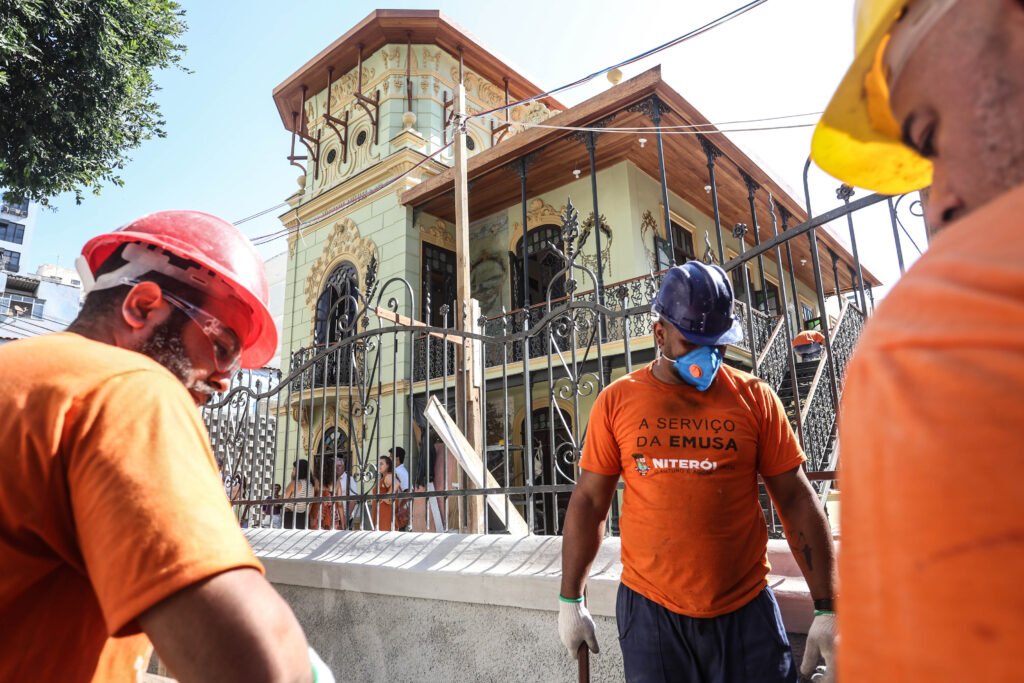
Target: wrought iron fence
345	405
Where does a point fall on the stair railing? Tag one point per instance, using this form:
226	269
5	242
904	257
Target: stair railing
820	412
845	334
818	416
772	362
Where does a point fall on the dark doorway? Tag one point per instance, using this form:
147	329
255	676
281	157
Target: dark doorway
552	465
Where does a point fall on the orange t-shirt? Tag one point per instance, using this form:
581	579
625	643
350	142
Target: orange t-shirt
693	534
933	465
808	337
110	502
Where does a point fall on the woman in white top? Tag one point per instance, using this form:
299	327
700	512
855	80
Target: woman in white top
298	487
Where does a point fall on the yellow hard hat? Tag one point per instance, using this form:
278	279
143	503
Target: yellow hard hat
857	139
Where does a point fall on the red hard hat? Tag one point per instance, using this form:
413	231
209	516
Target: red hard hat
218	247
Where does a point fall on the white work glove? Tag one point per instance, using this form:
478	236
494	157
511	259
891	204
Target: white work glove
821	640
575	626
321	674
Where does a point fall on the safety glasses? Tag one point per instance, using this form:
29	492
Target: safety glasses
227	352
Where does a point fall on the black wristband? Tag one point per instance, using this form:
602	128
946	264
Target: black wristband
825	605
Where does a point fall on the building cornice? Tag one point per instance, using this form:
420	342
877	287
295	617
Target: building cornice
397	163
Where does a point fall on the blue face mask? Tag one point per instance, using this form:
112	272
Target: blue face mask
699	367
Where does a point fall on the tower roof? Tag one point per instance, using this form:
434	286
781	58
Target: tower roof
388	26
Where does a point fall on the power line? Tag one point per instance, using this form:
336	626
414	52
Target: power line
13	322
698	127
702	131
694	129
260	213
643	55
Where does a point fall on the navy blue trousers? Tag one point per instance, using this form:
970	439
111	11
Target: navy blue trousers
746	646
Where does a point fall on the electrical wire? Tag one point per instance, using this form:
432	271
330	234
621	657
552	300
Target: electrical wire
702	131
700	127
256	215
643	55
45	318
26	323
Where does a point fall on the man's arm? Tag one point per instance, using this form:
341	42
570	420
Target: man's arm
584	528
230	627
807	530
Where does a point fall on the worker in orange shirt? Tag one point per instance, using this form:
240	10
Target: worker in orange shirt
807	345
689	436
933	537
115	533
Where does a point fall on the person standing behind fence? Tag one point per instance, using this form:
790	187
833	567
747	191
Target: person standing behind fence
689	435
273	510
298	487
382	509
402	475
332	515
115	532
930	428
401	471
343	486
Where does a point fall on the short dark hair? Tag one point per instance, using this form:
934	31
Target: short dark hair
104	303
302	468
399	454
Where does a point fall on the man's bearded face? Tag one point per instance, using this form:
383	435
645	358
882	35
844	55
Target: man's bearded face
166	347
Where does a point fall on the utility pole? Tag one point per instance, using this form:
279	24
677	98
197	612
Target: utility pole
467	389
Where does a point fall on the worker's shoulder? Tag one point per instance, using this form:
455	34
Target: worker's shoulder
638	380
78	365
742	380
964	291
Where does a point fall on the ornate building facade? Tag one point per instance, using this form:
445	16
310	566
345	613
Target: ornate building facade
372	245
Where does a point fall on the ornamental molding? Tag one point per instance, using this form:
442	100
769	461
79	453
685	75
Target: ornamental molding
438	232
538	213
343	243
648	230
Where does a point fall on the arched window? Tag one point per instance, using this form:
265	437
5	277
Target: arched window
337	306
333	439
542	245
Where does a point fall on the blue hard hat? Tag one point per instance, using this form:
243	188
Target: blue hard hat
697	299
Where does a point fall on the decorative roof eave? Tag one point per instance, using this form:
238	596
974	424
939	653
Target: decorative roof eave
385	26
532	139
614	100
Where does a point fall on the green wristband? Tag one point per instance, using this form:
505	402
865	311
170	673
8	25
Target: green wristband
574	600
823	613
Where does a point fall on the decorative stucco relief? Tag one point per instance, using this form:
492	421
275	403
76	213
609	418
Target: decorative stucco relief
587	256
648	229
538	212
431	55
392	57
438	232
346	243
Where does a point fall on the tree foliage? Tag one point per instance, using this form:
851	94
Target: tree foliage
76	89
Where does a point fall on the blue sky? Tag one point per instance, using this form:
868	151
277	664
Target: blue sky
225	145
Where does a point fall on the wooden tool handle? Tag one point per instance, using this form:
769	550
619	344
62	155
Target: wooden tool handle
584	660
